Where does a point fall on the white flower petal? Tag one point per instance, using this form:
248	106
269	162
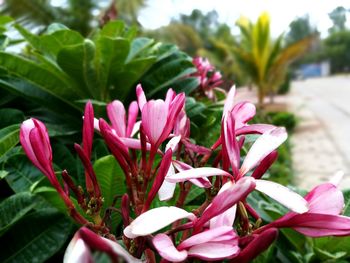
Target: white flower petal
283	195
196	173
154	220
166	191
262	147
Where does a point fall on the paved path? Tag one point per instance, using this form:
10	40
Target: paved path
321	143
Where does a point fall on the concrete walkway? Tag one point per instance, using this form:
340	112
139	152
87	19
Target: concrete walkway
321	142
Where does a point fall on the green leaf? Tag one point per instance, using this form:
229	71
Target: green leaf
22	173
10	116
347	203
3	174
14	208
113	29
138	46
9	137
112	181
39	76
77	62
35	238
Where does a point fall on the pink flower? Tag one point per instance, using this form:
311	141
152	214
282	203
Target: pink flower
36	144
84	240
116	114
325	204
159	116
212	244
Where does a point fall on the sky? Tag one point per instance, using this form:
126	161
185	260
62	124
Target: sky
159	12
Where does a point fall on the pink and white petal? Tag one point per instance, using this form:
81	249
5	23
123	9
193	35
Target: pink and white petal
325	199
173	143
167	189
141	97
207	236
336	178
201	182
155	219
254	129
181	166
154	119
213	251
229	102
96	125
117	116
225	219
262	147
135	129
230	142
133	111
134	143
243	112
77	252
121	252
167	250
196	173
170	95
283	195
226	199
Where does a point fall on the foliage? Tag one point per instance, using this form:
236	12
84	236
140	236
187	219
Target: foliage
60	70
299	29
265	60
336	47
338	17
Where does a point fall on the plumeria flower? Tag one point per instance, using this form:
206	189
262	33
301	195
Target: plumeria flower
325	203
159	116
84	240
219	240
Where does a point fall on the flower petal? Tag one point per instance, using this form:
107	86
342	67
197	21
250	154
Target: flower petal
141	97
254	129
229	102
196	173
243	112
154	119
262	147
154	220
213	251
116	114
133	111
207	236
325	199
166	191
283	195
227	199
167	250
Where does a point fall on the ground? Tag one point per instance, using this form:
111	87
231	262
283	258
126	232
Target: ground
321	143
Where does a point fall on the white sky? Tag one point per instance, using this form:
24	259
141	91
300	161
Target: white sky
159	12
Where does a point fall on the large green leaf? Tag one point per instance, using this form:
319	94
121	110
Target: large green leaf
77	62
35	238
39	76
112	181
9	137
10	116
14	208
22	174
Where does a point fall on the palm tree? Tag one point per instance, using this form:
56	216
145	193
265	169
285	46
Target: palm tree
263	59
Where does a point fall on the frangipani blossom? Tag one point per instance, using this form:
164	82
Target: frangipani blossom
84	240
325	204
159	116
213	244
116	114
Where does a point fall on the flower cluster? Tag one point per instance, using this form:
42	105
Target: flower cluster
209	78
224	226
